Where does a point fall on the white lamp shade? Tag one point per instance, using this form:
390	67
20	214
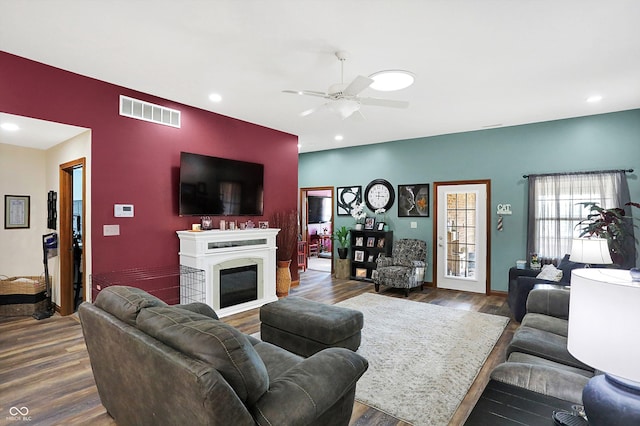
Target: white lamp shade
604	315
594	251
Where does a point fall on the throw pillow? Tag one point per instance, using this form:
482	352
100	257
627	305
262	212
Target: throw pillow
550	273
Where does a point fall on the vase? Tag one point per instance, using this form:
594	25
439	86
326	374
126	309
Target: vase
342	252
358	227
283	278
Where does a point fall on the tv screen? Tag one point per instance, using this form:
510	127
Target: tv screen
212	186
319	209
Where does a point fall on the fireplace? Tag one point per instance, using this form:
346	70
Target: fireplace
239	265
238	281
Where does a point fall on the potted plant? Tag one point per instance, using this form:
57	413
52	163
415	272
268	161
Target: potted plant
286	242
341	235
612	225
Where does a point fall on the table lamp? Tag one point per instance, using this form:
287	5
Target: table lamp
604	316
590	251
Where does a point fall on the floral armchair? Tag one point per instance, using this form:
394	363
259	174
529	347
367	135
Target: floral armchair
405	268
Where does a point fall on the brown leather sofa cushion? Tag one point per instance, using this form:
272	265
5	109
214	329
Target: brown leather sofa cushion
212	341
125	302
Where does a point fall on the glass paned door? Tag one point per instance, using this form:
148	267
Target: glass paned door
461	234
461	237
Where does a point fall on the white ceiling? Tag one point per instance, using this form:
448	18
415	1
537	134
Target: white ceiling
478	64
33	133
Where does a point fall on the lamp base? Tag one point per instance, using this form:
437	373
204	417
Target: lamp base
612	401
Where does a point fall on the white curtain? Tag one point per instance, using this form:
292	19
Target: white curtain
554	209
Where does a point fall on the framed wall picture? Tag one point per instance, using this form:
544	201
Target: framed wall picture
17	211
358	256
371	242
346	198
361	272
369	222
413	200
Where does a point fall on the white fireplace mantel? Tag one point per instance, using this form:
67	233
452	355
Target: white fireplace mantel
206	250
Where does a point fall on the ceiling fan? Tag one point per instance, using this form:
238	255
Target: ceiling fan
343	98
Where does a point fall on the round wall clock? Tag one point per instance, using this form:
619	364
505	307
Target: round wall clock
379	194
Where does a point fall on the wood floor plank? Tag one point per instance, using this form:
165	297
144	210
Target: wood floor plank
44	364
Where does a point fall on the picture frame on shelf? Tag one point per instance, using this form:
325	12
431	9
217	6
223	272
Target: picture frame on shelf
371	241
381	242
358	256
361	272
17	211
380	226
413	200
346	198
359	241
369	223
370	259
263	224
206	223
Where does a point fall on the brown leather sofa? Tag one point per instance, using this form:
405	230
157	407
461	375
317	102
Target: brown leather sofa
156	364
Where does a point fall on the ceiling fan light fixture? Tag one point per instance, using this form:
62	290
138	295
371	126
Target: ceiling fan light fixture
390	80
345	107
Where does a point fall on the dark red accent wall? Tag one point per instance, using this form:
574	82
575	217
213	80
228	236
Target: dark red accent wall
136	162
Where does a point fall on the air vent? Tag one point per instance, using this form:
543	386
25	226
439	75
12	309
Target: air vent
146	111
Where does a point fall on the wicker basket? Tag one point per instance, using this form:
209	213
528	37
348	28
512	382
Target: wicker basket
22	295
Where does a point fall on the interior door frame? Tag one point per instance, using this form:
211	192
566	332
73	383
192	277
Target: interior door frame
67	302
304	216
487	183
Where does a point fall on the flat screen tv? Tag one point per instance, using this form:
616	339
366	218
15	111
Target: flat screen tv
319	209
212	186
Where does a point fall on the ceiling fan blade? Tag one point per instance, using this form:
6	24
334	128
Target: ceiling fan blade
357	116
356	86
306	93
312	110
384	102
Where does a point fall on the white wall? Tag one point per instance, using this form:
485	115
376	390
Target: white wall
23	172
73	149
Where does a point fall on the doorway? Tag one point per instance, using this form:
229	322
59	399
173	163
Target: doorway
462	240
316	227
72	235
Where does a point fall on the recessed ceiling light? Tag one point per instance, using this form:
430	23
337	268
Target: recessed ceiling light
390	80
594	98
338	137
11	127
214	97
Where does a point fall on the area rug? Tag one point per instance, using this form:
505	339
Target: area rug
423	358
319	264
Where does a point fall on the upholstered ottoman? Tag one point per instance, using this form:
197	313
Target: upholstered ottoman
306	327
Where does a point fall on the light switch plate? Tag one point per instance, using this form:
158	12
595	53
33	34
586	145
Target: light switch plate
414	225
110	230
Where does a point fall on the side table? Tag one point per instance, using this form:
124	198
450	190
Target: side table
343	269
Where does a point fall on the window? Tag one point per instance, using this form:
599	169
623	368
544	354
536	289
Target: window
554	209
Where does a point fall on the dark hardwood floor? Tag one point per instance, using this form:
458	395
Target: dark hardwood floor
44	364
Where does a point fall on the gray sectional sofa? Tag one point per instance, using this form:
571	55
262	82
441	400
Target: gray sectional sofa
537	357
156	364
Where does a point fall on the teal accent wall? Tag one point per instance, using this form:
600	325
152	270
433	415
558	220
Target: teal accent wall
503	155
